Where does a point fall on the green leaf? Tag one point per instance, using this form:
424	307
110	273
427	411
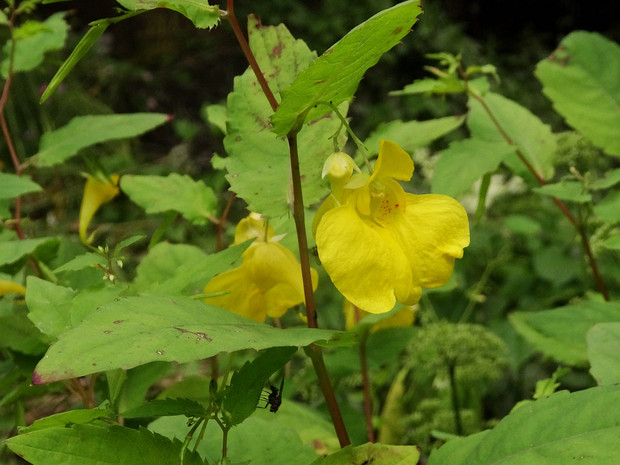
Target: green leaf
448	85
20	334
335	75
560	429
87	260
136	330
178	268
12	186
246	385
610	179
603	341
581	79
529	134
412	135
167	407
608	209
383	454
48	306
33	40
561	333
258	162
66	419
175	192
84	131
464	162
572	191
97	445
11	251
612	242
198	12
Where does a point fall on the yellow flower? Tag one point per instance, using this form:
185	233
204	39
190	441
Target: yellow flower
403	317
96	193
379	244
268	282
7	287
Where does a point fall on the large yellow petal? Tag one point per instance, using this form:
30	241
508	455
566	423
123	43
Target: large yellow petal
432	232
363	260
252	226
393	162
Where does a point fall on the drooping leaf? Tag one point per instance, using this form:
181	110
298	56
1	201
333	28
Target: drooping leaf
603	341
48	306
11	251
372	453
258	162
33	40
247	384
198	12
335	75
136	330
572	191
530	135
581	79
12	186
84	131
561	333
464	162
97	445
559	429
176	268
166	407
158	194
412	135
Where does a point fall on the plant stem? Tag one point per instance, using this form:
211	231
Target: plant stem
576	223
366	387
455	399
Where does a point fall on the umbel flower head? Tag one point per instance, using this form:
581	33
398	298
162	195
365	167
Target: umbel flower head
380	244
96	192
268	282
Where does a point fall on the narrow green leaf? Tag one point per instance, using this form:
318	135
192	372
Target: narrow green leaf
412	135
11	251
529	134
84	131
335	75
247	384
158	194
198	12
136	330
383	454
48	306
258	161
12	186
449	85
608	209
466	161
559	429
66	419
166	407
97	445
80	50
612	242
31	47
572	191
561	333
610	179
87	260
581	79
603	341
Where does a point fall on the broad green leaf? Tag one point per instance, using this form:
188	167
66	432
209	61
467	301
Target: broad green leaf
33	40
560	429
581	79
87	260
166	407
247	384
88	301
158	194
198	12
20	334
612	242
561	333
177	268
464	162
412	135
48	306
383	454
71	417
533	138
610	179
608	209
603	341
97	445
11	251
84	131
133	331
258	162
12	186
572	191
335	75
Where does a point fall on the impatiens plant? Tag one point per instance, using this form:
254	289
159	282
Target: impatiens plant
300	299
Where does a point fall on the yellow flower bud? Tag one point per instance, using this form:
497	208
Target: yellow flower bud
96	193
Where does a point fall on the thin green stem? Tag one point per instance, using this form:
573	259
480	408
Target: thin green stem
370	431
456	409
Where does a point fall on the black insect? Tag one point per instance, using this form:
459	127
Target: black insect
274	398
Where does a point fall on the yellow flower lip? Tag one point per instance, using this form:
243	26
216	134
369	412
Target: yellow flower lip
96	193
380	244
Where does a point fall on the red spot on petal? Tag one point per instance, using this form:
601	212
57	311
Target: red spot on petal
118	321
